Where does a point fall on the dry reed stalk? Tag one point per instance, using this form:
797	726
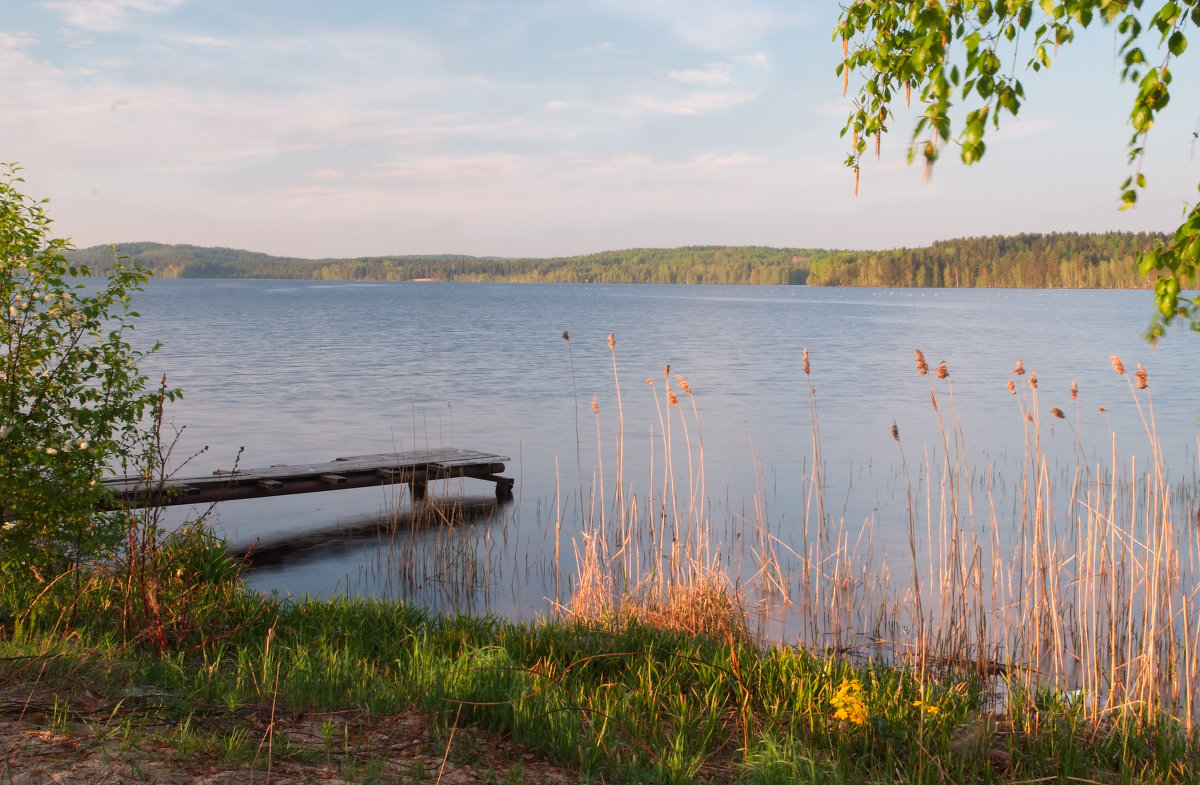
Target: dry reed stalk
922	366
600	470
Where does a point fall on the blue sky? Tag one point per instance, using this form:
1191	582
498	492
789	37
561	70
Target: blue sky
528	128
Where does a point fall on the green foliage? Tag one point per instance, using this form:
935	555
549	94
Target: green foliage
1042	261
692	264
71	397
947	52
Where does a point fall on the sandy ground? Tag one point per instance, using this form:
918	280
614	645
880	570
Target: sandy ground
106	741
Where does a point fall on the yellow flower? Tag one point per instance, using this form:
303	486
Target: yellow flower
929	707
848	703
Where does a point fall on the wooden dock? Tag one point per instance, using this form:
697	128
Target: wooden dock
416	469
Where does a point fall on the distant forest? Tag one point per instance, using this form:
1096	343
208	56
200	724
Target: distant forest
1066	260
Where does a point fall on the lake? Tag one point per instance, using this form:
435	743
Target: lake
300	372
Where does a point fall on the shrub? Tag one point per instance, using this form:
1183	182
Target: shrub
72	400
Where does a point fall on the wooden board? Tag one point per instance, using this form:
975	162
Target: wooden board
416	468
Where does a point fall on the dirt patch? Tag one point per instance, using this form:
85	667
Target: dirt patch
47	737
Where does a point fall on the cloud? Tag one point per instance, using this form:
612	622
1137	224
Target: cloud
698	103
105	15
444	169
718	25
715	74
713	161
754	60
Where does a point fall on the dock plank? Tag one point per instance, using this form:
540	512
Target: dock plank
416	468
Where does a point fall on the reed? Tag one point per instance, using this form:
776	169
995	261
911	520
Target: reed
1075	581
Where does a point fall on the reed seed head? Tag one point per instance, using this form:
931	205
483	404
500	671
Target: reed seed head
1012	388
1074	391
1142	378
595	405
1020	369
1103	409
1028	417
683	385
667	372
933	398
565	336
895	431
1057	412
1033	379
650	382
612	342
671	399
806	368
922	366
1117	365
942	371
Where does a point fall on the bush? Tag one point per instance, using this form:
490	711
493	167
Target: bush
72	400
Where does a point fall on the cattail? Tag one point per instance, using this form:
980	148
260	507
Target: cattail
612	342
806	368
895	431
1142	378
922	366
1057	412
942	371
1012	388
933	398
1033	379
671	399
1074	391
1117	365
595	405
683	385
1020	369
565	336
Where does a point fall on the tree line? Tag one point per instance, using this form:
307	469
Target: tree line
1059	260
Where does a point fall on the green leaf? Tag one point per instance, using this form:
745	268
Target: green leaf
1148	263
1177	44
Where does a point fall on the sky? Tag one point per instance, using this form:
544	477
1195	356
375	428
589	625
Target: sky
530	128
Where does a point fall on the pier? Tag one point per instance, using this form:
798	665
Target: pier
416	469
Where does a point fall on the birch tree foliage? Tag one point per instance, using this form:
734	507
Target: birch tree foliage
947	52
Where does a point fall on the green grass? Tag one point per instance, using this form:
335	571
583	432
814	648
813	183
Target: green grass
635	703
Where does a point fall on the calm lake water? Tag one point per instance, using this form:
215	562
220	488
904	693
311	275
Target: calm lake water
299	372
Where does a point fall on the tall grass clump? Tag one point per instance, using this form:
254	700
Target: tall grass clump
649	557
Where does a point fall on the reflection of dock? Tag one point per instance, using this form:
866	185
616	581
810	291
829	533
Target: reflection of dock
295	549
416	469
